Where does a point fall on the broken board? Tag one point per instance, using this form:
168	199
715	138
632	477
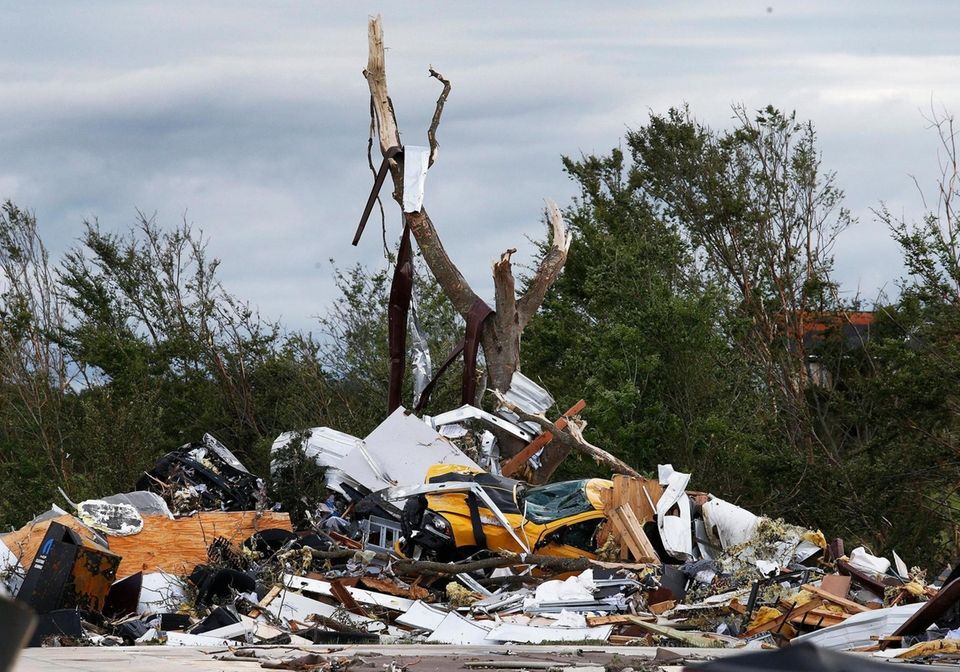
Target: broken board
174	546
630	532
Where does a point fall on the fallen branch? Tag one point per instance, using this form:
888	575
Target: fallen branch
570	438
549	562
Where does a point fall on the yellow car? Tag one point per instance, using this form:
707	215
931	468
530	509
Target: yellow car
462	511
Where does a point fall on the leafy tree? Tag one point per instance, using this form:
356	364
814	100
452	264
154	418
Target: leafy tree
354	349
35	373
631	328
761	216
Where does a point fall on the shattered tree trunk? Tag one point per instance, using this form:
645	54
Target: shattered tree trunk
500	334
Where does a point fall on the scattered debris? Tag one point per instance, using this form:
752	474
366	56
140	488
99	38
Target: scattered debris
419	543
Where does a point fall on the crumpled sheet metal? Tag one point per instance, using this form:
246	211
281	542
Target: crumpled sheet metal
529	397
420	362
398	451
416	161
675	530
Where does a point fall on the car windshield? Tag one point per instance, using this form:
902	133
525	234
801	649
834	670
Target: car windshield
556	500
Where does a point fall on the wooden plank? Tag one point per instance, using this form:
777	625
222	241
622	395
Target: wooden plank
639	494
616	619
514	464
267	599
620	530
661	607
647	552
849	605
175	546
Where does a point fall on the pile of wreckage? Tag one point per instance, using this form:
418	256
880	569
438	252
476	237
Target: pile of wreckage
424	539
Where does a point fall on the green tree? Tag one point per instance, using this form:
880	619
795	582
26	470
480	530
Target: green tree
354	348
630	327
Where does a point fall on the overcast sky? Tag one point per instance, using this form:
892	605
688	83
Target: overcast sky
250	118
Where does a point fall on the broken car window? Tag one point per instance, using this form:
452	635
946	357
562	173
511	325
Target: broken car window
556	500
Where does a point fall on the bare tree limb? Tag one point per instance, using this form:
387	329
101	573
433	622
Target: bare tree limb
435	122
549	269
500	336
505	325
376	74
444	270
570	439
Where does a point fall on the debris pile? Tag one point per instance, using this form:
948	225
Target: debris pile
422	538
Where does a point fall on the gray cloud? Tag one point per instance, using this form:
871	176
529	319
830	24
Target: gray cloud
250	119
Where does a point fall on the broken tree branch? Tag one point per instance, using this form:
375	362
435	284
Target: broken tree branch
427	567
549	562
505	325
435	122
569	439
549	269
376	74
448	276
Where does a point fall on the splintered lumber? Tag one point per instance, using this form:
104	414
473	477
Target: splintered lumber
849	605
517	461
267	599
640	495
616	619
174	546
631	534
689	639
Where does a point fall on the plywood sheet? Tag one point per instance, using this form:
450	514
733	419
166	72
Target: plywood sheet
638	494
173	546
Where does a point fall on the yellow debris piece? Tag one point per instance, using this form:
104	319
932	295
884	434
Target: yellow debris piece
764	615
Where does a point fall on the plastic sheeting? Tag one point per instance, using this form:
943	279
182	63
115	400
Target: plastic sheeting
577	588
728	524
864	560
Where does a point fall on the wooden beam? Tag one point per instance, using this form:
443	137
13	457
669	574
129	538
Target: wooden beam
517	461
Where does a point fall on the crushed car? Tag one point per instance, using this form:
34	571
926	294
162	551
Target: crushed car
462	510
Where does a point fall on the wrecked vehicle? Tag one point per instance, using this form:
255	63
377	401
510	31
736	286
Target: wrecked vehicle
461	511
202	476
